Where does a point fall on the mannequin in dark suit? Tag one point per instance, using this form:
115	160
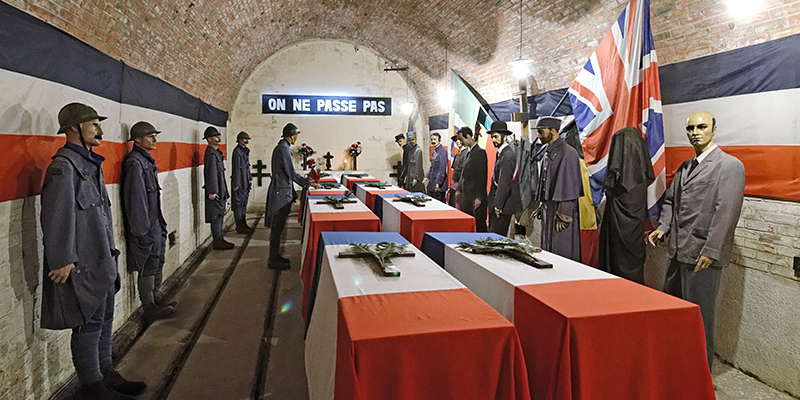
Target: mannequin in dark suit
699	215
472	184
504	197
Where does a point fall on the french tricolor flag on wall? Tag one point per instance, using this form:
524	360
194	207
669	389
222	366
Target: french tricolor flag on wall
619	87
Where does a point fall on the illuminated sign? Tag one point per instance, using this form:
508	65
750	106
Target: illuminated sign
337	105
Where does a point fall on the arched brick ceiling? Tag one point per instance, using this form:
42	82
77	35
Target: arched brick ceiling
209	47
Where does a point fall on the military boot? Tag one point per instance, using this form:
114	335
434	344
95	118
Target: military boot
99	391
154	312
112	379
222	244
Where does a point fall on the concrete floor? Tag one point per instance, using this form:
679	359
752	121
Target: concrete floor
238	333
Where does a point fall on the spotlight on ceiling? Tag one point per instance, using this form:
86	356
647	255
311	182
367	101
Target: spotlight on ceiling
741	9
446	97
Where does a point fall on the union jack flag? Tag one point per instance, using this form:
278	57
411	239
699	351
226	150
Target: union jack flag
619	87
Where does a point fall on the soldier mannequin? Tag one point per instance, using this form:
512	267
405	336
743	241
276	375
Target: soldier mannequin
281	194
413	170
145	227
216	188
80	258
241	182
436	178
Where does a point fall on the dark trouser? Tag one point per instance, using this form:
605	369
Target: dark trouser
451	200
499	225
441	196
276	227
700	288
239	206
216	227
479	213
240	214
150	279
91	343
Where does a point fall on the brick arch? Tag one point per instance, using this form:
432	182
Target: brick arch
208	47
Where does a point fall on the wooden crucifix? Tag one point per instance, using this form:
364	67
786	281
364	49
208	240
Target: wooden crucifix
328	157
418	201
336	202
508	248
259	167
381	253
379	185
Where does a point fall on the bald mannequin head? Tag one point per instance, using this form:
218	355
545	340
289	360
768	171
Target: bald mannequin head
700	129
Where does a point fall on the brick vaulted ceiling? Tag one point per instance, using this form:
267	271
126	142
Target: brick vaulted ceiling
209	47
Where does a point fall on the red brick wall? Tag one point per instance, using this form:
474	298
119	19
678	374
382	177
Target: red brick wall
208	47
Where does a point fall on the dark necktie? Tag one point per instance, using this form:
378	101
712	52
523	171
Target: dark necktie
693	166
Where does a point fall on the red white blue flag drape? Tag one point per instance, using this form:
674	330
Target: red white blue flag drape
619	87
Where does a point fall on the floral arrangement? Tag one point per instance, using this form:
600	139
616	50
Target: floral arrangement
311	163
305	150
355	149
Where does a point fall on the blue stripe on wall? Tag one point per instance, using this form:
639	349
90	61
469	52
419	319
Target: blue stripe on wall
763	67
32	47
759	68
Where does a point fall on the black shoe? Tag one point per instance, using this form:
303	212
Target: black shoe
222	244
113	380
154	312
163	303
279	263
99	391
244	229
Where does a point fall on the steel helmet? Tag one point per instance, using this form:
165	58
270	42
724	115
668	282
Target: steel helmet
210	131
74	114
242	135
141	129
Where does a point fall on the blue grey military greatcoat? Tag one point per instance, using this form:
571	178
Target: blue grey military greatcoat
414	170
146	228
241	180
437	174
214	173
76	228
281	191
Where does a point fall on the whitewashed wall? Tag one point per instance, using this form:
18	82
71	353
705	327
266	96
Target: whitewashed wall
758	316
325	68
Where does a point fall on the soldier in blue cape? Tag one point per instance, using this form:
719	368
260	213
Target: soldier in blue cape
80	258
560	187
145	226
241	182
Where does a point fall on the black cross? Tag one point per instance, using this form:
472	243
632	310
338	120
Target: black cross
328	158
396	173
259	167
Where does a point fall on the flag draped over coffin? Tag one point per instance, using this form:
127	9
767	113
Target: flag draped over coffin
619	87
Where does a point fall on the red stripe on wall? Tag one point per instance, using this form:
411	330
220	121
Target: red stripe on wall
772	171
26	159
